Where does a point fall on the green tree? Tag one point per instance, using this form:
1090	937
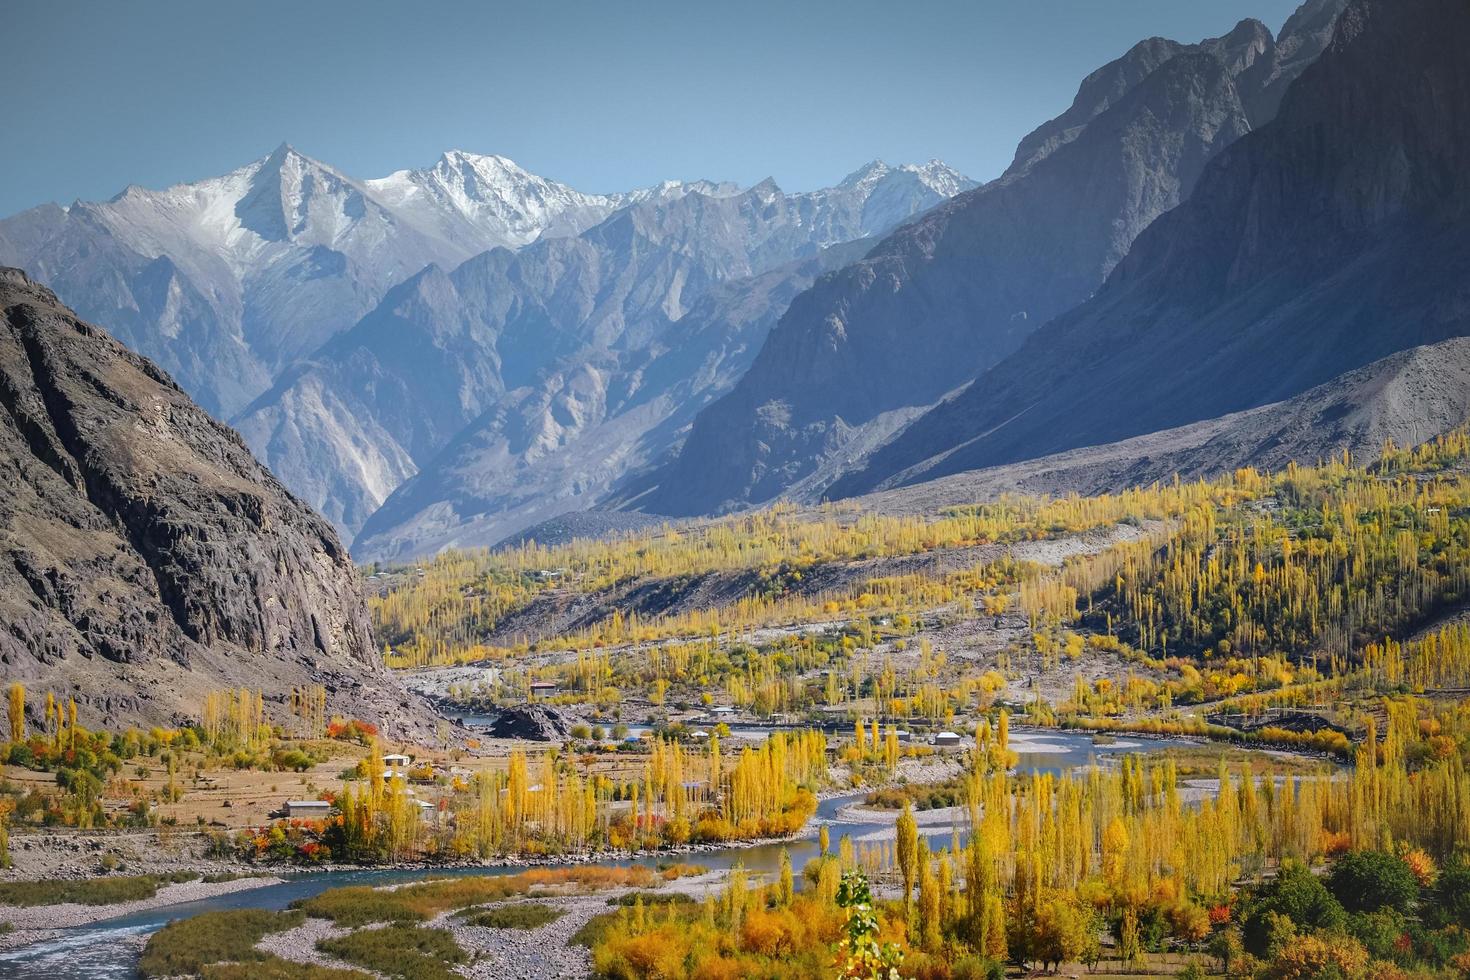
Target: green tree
859	954
1370	881
1451	905
1296	895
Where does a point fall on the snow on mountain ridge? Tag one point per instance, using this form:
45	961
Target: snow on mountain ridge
936	175
495	193
229	280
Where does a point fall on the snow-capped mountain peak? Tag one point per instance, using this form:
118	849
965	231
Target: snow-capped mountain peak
292	196
866	175
229	279
940	178
936	175
500	202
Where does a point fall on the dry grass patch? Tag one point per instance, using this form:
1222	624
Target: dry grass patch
88	891
410	952
187	946
521	915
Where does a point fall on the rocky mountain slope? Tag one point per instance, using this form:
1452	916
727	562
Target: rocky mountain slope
227	281
1406	398
1333	237
552	446
147	557
868	348
543	375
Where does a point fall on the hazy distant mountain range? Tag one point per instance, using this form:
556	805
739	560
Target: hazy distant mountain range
1184	259
315	310
228	280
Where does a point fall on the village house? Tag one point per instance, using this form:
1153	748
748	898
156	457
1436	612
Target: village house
308	809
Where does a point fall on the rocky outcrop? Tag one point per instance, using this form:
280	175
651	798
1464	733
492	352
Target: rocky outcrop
1336	236
533	722
145	556
867	349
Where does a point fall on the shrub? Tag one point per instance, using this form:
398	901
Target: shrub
977	968
359	905
595	930
1379	932
1310	957
410	952
922	796
1451	905
188	945
522	915
652	898
90	891
274	968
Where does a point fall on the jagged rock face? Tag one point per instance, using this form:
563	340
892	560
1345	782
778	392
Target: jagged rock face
145	556
533	722
1333	237
867	349
528	383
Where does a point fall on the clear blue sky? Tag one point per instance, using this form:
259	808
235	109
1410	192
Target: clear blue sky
602	95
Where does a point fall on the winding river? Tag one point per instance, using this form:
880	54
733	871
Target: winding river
109	948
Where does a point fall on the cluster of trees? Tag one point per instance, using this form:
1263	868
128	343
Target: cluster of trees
93	787
1310	563
867	600
235	720
1255	591
444	611
790	674
308	705
552	805
1437	661
1120	864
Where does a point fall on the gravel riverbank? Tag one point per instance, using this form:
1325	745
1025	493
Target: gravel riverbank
30	925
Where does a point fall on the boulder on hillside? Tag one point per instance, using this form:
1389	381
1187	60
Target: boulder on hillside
532	722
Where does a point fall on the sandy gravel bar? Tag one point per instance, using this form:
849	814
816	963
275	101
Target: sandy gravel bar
529	954
299	944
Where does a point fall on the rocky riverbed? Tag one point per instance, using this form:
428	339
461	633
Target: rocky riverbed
35	924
